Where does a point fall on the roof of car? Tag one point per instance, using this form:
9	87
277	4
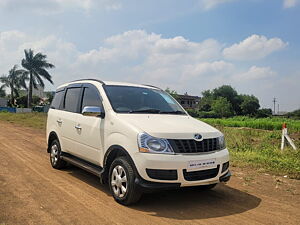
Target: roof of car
116	83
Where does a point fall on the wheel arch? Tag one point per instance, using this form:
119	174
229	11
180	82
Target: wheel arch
111	154
52	136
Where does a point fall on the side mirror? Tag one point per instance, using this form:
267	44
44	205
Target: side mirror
93	111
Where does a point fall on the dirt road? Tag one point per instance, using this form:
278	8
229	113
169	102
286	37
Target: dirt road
31	192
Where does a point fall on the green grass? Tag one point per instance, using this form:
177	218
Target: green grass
261	149
34	120
263	123
252	148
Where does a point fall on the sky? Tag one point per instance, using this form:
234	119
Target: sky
186	45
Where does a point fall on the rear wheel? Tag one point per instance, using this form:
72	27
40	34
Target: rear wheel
55	152
121	182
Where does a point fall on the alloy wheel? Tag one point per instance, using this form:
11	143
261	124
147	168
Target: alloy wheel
119	181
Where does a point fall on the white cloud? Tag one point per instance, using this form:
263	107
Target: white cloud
253	48
57	6
209	69
141	57
12	44
255	73
290	3
148	55
209	4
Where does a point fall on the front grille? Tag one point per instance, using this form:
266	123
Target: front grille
162	174
192	146
201	174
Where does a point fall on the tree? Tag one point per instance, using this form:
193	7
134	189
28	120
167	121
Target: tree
36	65
50	96
206	101
222	107
230	94
22	101
261	113
250	105
173	93
2	91
14	81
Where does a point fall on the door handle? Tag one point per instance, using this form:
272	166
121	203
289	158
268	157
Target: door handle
59	121
78	127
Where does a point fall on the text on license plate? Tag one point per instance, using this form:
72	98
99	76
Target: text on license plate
201	163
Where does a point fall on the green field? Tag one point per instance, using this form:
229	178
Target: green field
263	123
252	148
34	120
260	149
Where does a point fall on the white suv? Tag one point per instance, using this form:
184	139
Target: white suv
136	138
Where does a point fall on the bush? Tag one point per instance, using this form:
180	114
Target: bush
222	107
22	101
263	113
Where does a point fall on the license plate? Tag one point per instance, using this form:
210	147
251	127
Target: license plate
196	164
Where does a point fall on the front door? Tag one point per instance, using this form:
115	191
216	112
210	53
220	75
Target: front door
90	132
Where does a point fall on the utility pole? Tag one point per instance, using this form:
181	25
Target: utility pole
278	109
274	101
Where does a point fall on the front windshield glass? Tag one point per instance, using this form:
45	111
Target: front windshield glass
128	99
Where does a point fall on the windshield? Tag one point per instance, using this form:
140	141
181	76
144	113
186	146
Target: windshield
128	99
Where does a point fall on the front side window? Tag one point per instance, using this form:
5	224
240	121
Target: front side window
71	99
91	97
129	99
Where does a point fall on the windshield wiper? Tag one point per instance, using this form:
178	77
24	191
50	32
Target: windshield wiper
172	112
145	111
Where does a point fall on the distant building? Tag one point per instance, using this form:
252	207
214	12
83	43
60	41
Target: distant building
188	101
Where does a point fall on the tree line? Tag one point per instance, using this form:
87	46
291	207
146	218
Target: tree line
224	101
33	73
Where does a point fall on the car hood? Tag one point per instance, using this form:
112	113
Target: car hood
170	126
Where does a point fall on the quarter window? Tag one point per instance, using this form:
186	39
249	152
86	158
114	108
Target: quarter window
57	100
71	99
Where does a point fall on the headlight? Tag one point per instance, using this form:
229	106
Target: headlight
151	144
221	142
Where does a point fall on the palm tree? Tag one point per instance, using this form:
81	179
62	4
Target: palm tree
2	91
15	80
36	65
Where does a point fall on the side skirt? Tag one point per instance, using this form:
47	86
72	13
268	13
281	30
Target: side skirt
83	164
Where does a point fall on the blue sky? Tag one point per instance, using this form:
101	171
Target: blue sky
189	46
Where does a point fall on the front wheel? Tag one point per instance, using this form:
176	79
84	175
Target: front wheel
121	182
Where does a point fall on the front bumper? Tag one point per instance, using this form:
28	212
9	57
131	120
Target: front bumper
149	186
179	162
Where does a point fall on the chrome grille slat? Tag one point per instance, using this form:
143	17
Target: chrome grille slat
193	146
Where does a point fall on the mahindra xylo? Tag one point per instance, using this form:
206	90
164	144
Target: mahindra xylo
136	138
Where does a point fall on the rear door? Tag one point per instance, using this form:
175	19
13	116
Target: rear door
54	113
90	134
68	118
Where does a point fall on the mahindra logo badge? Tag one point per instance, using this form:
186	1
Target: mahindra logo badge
197	137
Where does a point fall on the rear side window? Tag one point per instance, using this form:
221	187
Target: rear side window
71	99
91	97
57	100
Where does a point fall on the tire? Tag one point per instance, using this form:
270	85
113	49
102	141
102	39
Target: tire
55	151
124	190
